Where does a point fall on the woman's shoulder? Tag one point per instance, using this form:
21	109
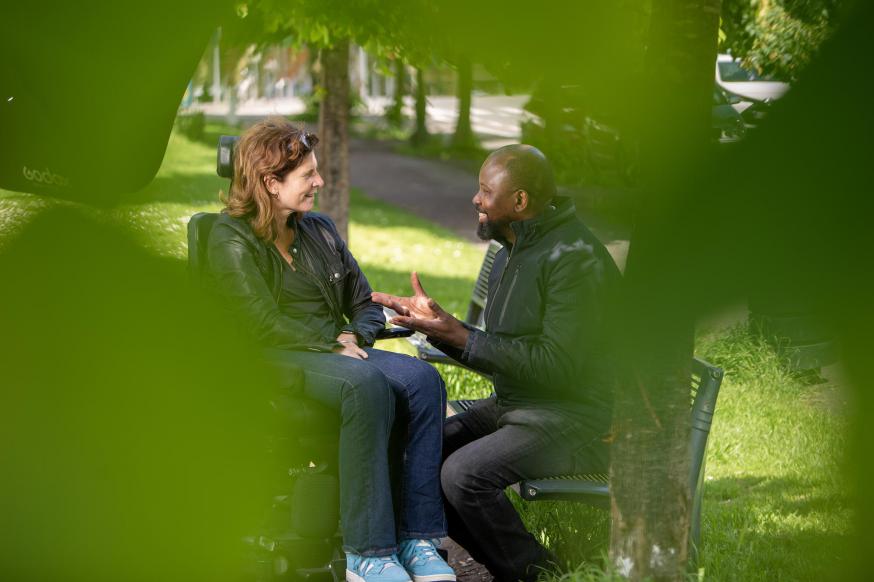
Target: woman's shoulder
319	219
322	225
227	225
229	228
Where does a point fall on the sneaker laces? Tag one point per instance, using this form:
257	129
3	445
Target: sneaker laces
378	563
422	551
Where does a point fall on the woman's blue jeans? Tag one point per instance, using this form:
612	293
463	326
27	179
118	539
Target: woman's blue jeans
392	408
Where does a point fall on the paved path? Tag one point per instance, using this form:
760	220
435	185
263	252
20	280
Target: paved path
438	191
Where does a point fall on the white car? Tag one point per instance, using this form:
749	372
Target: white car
746	84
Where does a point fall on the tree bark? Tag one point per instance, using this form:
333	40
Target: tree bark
420	136
463	136
334	136
395	113
650	483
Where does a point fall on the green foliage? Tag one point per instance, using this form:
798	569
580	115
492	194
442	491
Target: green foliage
128	411
384	28
566	151
192	125
777	37
595	44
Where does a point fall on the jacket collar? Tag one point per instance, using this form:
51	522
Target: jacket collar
558	211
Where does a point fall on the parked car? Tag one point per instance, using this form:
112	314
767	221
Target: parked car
750	87
727	124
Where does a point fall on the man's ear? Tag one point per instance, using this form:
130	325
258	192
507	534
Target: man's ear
520	200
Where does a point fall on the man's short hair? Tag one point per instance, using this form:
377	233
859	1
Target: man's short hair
529	170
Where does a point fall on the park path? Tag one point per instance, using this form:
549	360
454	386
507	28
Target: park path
441	191
436	190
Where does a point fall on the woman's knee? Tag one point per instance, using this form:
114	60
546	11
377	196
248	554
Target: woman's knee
428	374
428	384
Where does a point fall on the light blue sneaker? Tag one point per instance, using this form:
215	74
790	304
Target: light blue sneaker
422	561
374	569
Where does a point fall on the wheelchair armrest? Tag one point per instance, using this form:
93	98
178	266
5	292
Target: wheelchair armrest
393	333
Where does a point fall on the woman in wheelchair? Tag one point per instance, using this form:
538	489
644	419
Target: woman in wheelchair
286	270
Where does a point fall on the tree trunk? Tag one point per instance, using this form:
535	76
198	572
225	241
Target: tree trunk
395	114
463	137
233	100
334	136
650	483
216	67
420	136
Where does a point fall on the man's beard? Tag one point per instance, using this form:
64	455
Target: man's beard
490	229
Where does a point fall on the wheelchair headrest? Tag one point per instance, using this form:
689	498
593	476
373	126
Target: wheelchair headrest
225	155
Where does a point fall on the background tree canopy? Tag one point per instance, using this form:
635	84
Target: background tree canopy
778	37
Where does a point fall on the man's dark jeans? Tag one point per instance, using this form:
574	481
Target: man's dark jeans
488	448
374	396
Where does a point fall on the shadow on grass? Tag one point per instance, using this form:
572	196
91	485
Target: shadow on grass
774	528
195	188
577	533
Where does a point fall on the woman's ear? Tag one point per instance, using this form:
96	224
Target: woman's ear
270	182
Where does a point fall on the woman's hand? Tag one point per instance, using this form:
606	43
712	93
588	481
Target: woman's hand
350	347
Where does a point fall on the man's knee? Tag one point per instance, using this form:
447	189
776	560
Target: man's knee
451	474
461	476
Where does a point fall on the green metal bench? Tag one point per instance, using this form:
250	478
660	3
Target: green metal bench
594	489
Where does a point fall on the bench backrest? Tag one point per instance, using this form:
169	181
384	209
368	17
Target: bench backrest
476	308
199	227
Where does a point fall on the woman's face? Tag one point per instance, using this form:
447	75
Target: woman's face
298	191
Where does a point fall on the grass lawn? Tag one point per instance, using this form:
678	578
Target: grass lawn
775	505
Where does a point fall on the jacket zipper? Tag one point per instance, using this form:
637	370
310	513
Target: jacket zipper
509	293
490	307
307	270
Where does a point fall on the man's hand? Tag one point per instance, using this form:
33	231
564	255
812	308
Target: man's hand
421	313
350	347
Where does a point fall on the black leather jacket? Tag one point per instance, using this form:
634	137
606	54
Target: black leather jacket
248	274
545	341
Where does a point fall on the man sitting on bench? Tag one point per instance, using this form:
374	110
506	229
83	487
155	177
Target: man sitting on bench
545	347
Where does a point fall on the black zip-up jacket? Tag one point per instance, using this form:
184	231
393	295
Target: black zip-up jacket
248	274
545	339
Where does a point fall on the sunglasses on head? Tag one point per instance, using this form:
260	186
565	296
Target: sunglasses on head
305	139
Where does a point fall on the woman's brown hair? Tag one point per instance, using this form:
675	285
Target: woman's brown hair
270	148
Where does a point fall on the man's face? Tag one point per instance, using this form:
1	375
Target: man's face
494	201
